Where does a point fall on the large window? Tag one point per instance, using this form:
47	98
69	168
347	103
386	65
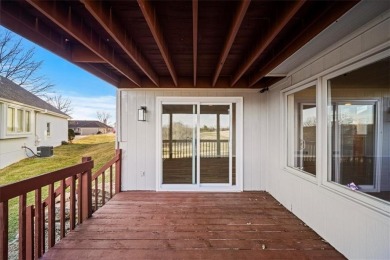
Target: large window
359	129
18	121
301	129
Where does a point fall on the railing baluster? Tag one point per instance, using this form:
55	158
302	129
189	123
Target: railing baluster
118	172
103	188
72	202
38	224
79	198
51	216
43	228
22	226
110	181
96	194
4	229
62	209
30	232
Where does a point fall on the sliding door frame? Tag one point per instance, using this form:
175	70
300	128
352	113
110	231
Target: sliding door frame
160	101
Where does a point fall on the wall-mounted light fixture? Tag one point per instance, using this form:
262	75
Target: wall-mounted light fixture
142	114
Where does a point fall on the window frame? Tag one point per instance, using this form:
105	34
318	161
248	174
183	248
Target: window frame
287	136
4	132
369	201
48	129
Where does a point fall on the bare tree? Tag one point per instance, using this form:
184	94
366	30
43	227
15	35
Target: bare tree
103	116
61	103
19	65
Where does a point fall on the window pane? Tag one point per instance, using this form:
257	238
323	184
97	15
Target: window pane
28	121
11	119
48	129
359	129
301	126
20	120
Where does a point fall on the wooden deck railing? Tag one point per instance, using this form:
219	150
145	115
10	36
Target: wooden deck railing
184	148
32	219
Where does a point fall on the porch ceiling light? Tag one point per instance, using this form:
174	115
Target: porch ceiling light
142	114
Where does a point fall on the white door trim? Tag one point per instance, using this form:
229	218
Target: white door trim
239	144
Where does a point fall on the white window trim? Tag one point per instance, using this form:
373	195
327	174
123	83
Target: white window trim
284	108
4	133
362	198
239	145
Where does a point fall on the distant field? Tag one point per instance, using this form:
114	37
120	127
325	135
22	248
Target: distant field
213	135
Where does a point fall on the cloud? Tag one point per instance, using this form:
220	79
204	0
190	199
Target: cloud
85	108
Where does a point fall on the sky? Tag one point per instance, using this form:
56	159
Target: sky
87	92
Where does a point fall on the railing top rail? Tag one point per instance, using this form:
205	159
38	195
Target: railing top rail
13	190
106	166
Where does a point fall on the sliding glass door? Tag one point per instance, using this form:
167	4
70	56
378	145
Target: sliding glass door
198	144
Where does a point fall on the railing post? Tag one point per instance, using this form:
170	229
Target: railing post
86	197
4	229
118	171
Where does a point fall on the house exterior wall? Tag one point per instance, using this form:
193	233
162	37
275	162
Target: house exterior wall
354	228
58	131
138	139
11	150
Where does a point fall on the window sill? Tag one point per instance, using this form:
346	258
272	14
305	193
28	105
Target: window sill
301	174
16	135
366	200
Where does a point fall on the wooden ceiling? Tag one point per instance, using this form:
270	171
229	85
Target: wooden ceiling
184	44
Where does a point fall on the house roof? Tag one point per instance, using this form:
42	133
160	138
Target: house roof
13	92
169	44
87	124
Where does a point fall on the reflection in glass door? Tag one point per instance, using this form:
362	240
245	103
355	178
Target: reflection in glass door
179	132
198	144
215	136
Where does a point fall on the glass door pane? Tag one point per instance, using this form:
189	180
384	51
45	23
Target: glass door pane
215	135
179	131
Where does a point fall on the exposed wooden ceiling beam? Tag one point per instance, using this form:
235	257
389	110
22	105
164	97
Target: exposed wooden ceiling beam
262	46
152	21
195	36
115	29
239	16
15	19
84	55
75	27
322	21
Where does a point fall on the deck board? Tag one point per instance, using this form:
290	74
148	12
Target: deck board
163	225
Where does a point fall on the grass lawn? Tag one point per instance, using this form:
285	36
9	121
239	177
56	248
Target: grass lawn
100	147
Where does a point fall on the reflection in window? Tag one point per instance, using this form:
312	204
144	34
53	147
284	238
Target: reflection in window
20	117
48	130
359	129
301	127
11	120
28	121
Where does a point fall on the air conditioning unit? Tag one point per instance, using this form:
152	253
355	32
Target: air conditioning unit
45	151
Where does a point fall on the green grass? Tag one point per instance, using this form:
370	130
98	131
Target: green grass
100	147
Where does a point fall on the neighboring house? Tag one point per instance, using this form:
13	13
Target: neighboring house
27	120
89	127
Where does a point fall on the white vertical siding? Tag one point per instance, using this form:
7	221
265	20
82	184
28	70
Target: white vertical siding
356	230
139	138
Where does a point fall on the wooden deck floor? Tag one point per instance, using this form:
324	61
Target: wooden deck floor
153	225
